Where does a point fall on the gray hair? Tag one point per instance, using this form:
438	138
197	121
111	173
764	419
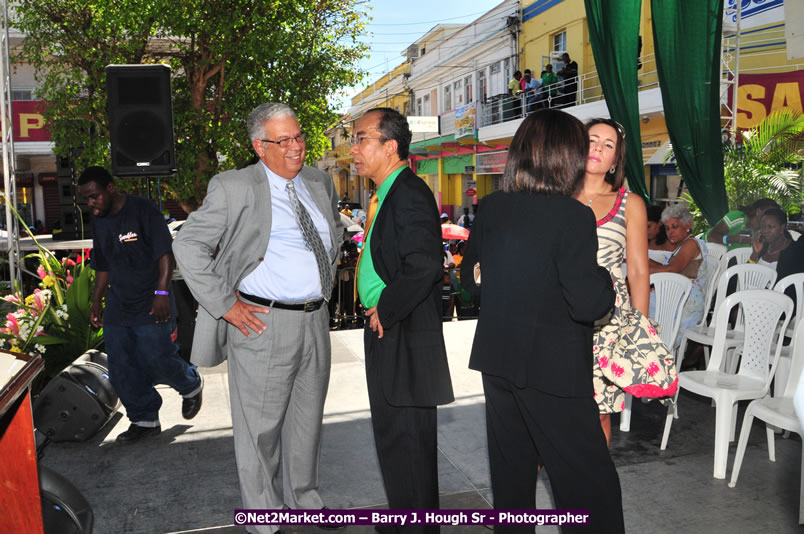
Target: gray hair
678	211
264	113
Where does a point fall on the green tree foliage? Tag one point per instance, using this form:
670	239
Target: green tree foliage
227	57
764	163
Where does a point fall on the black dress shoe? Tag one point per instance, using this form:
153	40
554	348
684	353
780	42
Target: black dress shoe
137	432
191	405
331	526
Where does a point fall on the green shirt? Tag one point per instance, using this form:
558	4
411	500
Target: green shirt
369	283
735	222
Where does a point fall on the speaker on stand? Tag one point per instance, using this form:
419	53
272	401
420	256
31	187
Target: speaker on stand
140	120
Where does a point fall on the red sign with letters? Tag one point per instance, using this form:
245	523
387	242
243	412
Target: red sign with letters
29	122
761	94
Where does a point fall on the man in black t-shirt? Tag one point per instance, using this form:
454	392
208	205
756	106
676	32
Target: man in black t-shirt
133	265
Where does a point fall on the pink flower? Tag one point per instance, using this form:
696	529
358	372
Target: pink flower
653	368
38	302
40	271
651	330
12	324
617	370
15	298
604	362
67	262
70	279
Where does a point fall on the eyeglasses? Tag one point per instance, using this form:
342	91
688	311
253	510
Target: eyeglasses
286	141
357	139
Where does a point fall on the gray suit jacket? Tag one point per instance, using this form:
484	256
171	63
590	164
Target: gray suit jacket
225	239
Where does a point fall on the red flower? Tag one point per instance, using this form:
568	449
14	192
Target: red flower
617	370
604	362
653	368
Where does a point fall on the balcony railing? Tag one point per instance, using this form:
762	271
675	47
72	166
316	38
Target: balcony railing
581	89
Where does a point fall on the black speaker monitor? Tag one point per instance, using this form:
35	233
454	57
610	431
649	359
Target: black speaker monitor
140	120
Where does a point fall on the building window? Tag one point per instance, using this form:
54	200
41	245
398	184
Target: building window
560	42
467	90
507	69
332	143
481	85
426	105
447	97
418	107
22	94
495	68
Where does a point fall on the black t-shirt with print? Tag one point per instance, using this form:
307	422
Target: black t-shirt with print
128	246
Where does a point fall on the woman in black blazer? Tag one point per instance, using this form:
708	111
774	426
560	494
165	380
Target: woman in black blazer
542	290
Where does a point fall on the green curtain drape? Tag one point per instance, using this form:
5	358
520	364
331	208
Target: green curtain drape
614	33
687	35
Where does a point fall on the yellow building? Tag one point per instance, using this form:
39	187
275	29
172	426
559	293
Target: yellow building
549	28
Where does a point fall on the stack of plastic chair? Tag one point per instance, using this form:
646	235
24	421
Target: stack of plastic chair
671	290
749	276
776	411
762	311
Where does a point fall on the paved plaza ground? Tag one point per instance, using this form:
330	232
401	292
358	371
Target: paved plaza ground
184	480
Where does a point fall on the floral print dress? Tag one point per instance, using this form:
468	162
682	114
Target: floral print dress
629	356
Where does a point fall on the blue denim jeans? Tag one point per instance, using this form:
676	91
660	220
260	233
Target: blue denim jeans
139	358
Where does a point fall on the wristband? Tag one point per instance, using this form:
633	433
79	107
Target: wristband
725	239
165	293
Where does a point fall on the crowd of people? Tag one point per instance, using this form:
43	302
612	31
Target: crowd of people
548	90
261	258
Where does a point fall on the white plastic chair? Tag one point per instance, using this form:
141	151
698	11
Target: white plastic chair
716	250
740	255
762	310
749	276
777	412
785	362
671	291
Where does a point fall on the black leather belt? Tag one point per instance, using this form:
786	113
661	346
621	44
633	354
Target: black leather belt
308	306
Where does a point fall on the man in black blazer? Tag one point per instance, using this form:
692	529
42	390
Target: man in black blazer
399	283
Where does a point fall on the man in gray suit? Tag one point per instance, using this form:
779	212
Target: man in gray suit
260	256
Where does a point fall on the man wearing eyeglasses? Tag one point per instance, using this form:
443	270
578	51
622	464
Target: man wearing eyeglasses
399	282
259	256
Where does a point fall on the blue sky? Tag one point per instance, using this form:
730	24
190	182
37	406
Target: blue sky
397	23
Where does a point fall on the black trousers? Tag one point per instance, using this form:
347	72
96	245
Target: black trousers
524	424
405	437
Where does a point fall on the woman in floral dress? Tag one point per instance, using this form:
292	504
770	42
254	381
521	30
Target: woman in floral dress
619	367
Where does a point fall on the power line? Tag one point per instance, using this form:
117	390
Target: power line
429	21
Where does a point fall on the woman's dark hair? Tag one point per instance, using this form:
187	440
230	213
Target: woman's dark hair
759	204
655	215
618	178
394	125
547	155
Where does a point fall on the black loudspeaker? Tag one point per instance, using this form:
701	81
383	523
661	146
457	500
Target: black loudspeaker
140	120
72	205
77	403
75	223
64	508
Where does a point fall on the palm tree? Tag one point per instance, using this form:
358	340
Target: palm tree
766	162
